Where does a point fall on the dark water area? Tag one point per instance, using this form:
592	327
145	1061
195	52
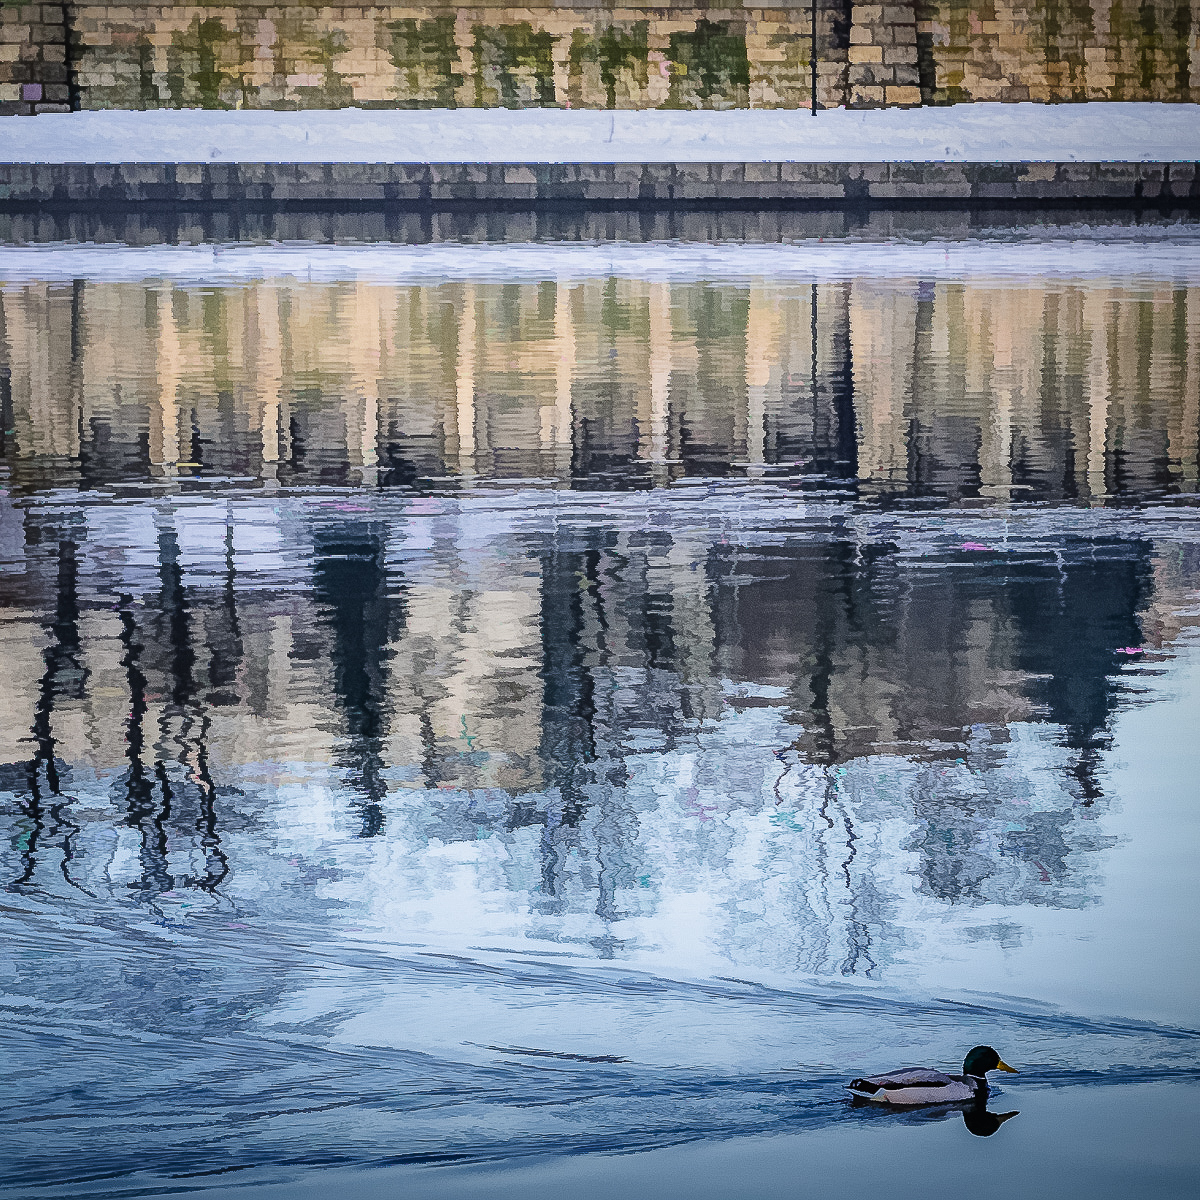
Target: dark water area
153	226
515	719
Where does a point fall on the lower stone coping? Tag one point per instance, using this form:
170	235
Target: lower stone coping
434	185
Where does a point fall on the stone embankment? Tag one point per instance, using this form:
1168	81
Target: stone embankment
448	186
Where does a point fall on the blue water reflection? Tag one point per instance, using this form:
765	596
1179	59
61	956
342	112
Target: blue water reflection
409	822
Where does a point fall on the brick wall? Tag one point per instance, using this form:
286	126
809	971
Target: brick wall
264	54
33	58
1061	50
883	67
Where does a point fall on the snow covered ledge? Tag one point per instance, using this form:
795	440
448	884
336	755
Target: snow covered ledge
1103	132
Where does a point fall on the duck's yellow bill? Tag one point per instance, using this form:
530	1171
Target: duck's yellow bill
1003	1066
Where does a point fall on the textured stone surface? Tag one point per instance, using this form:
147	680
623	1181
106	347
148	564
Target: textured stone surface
34	73
625	54
537	184
1059	50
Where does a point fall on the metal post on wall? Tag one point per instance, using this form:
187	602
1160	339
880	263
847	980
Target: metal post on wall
813	58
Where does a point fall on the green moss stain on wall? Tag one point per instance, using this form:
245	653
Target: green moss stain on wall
514	67
308	56
333	91
202	66
424	54
614	62
1182	26
1058	50
1062	31
1139	34
711	69
148	94
784	79
958	20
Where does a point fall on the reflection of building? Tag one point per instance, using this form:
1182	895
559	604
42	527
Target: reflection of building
616	707
1031	390
625	708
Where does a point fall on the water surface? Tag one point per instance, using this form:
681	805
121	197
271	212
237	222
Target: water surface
459	714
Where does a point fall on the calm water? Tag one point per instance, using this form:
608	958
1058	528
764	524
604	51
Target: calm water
473	711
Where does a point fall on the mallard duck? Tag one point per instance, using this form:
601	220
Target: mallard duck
924	1085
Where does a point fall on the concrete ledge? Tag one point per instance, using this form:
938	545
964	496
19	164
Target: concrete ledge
645	185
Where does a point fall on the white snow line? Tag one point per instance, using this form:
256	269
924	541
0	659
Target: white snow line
1173	259
1090	132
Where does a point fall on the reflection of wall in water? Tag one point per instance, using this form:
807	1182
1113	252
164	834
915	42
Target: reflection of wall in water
1053	391
450	677
1046	389
881	654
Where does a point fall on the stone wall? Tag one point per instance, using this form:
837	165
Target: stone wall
883	67
457	187
1059	50
626	54
270	56
33	58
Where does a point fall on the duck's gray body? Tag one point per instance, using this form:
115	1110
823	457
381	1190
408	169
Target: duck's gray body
918	1085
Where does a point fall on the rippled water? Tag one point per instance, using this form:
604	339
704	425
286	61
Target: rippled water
481	705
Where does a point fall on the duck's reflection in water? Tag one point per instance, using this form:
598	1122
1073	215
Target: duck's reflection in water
975	1115
982	1123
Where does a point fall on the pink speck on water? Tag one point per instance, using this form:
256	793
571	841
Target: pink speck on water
1131	650
975	546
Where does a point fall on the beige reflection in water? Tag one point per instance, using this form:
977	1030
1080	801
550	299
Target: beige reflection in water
1078	388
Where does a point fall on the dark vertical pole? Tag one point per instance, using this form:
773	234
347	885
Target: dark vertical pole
814	351
813	58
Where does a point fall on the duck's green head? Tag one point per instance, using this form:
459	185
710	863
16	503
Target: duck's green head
983	1059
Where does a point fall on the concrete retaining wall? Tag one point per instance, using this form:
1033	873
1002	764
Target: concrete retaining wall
566	184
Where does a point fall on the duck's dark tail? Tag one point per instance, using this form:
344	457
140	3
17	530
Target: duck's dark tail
864	1087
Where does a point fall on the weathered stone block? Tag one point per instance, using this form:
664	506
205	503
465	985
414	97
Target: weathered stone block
862	96
868	75
762	172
